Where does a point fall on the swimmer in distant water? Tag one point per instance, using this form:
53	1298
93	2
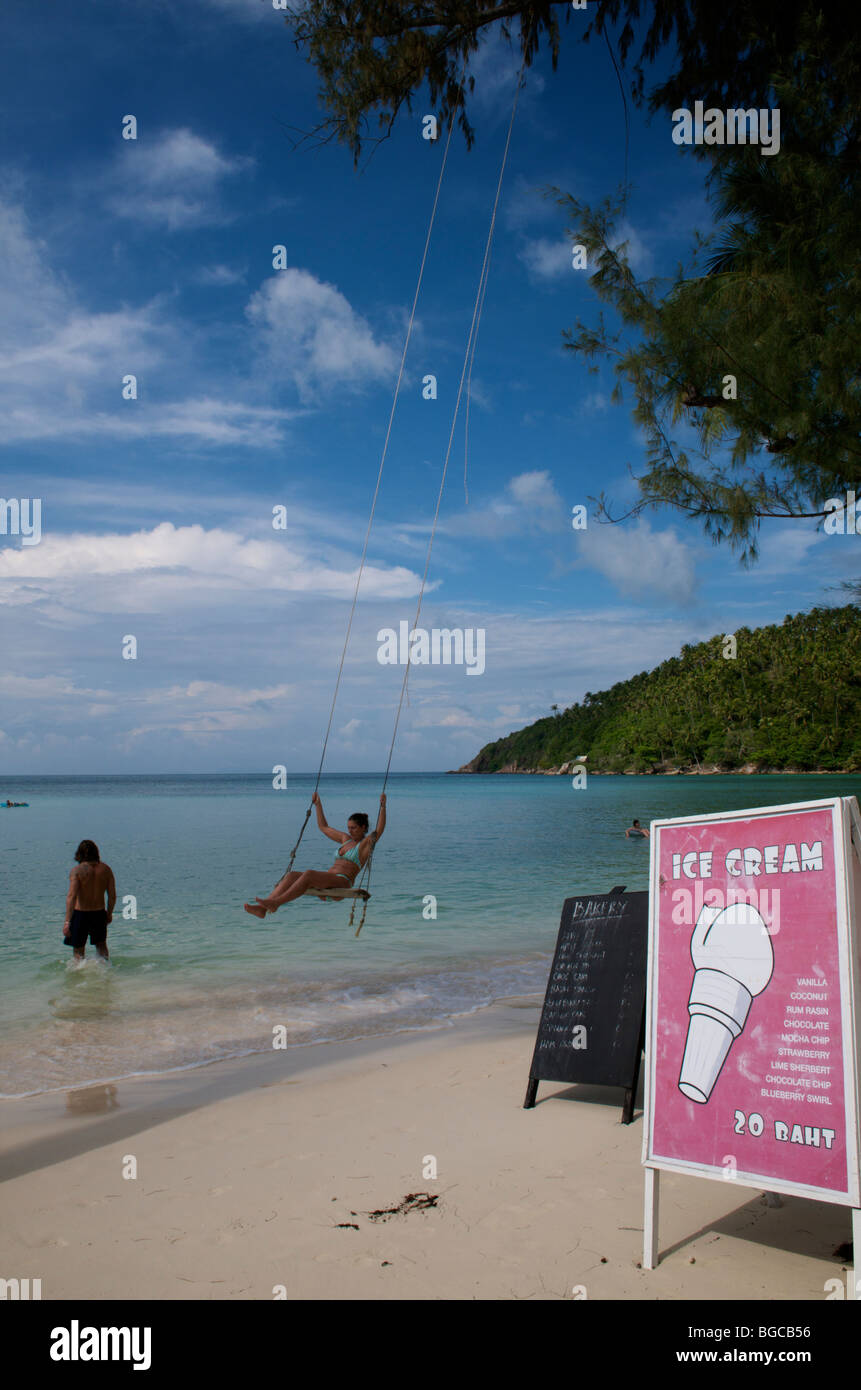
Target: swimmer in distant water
635	831
85	902
346	868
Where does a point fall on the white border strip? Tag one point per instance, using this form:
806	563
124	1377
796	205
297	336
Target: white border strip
844	814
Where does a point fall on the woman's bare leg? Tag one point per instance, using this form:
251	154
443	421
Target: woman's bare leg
286	881
311	878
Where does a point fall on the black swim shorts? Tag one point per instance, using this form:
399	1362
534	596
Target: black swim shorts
84	924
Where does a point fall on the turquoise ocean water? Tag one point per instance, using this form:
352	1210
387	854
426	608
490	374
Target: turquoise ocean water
194	978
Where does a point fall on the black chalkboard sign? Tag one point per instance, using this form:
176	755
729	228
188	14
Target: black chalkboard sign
592	1025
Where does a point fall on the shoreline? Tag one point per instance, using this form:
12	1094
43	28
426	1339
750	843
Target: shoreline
188	1087
284	1172
567	769
200	1032
262	1055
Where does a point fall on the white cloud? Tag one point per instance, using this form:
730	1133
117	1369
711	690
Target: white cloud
638	254
173	180
530	502
207	707
784	549
535	491
246	9
547	258
453	719
62	367
479	395
46	688
495	66
205	421
248	679
195	704
527	202
31	297
309	330
220	275
593	402
100	501
48	345
216	693
550	258
203	564
639	561
84	346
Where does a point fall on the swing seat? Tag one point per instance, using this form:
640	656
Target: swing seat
336	895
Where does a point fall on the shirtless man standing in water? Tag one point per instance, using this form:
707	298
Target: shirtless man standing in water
85	901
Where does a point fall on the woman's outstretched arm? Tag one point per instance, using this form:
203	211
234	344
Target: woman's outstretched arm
381	819
324	825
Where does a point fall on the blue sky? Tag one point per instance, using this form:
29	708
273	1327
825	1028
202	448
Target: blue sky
259	388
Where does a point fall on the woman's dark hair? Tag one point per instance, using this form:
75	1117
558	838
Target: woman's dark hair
361	819
87	853
636	822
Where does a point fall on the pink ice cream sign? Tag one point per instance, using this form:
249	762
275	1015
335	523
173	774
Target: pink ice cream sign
750	1018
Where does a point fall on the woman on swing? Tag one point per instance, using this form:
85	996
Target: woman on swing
348	864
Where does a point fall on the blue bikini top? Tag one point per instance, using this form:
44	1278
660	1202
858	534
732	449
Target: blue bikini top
352	854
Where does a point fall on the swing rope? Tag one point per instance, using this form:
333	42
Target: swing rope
467	368
482	290
376	494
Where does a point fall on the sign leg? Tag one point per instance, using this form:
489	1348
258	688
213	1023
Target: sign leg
531	1091
856	1253
651	1207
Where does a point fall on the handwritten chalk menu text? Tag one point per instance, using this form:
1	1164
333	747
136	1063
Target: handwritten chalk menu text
591	1027
753	999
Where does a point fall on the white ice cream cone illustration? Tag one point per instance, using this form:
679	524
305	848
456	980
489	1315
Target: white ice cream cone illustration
733	957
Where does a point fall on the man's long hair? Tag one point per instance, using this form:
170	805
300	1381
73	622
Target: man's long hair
87	853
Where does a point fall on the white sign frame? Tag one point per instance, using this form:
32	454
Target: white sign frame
846	824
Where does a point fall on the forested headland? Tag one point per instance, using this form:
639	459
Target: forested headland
788	700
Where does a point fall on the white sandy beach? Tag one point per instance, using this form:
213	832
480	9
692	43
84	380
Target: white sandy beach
246	1171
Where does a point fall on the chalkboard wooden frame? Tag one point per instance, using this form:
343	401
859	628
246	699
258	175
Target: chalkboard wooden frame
578	965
